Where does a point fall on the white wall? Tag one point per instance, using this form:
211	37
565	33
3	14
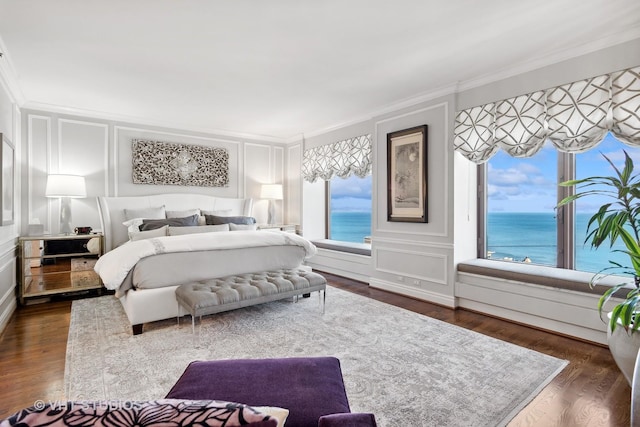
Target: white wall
9	119
101	151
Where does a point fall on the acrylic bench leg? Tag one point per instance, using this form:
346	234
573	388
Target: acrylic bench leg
322	296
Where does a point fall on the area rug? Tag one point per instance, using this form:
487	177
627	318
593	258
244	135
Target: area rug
407	369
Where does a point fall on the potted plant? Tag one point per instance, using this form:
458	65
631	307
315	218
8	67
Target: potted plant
617	219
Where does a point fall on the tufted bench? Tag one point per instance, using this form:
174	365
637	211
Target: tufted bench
243	290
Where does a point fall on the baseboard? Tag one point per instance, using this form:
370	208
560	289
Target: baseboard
421	294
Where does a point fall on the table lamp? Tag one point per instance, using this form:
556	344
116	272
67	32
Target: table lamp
65	187
272	192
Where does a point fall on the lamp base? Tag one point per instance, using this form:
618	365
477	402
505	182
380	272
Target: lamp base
65	215
272	212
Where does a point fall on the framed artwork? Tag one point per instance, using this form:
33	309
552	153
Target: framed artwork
6	180
407	175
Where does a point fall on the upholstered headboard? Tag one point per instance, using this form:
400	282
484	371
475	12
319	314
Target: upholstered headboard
111	210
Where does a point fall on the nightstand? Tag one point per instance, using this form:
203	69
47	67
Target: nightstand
289	228
58	264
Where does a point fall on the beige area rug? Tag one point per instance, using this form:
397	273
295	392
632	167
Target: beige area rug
408	369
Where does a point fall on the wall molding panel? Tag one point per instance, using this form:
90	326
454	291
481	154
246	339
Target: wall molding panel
105	143
421	294
293	210
414	264
569	312
236	167
31	118
381	138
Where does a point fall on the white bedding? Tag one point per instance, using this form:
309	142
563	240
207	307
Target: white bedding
114	266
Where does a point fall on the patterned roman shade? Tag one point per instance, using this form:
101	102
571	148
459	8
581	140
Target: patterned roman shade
575	117
343	158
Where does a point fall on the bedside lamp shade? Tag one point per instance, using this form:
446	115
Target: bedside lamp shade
65	187
272	192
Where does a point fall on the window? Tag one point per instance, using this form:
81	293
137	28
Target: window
349	209
521	195
521	221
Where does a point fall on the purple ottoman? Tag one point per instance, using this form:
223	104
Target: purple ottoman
309	387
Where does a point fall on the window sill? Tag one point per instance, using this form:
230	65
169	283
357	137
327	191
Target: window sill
541	275
349	247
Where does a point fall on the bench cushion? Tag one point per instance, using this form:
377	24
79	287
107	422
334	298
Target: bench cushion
242	290
309	387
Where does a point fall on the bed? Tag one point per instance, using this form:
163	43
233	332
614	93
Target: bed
145	273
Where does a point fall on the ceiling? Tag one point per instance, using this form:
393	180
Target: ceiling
278	69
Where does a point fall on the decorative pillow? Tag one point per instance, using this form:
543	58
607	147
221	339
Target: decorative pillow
149	234
215	219
236	227
133	225
150	224
223	212
151	213
178	231
280	414
174	412
182	214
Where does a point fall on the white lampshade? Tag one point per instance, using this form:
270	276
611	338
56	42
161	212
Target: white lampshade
271	191
66	186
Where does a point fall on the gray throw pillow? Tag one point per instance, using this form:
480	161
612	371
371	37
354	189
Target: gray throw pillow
152	224
215	220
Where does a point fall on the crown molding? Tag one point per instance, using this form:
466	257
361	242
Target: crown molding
141	121
523	67
552	58
391	108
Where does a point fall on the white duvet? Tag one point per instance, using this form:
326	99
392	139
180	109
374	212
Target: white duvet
114	266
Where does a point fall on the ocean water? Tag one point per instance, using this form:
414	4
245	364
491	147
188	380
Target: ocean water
516	236
350	226
511	235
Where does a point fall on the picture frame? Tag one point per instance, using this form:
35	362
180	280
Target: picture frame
407	175
7	178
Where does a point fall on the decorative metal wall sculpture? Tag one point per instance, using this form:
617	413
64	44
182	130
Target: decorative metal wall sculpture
168	163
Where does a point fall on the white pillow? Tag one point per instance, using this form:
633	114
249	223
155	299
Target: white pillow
149	234
147	213
182	214
133	225
179	231
236	227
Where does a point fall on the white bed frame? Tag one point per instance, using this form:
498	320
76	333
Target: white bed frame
149	305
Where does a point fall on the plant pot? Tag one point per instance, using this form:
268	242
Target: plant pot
624	348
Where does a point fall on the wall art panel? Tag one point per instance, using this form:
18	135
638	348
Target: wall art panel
168	163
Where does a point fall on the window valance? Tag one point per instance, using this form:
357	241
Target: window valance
343	158
575	117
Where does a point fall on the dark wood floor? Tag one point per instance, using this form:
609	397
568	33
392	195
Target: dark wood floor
591	391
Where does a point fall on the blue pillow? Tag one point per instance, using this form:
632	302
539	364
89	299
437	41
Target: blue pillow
152	224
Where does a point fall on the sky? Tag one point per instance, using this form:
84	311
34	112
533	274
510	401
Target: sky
351	195
530	184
